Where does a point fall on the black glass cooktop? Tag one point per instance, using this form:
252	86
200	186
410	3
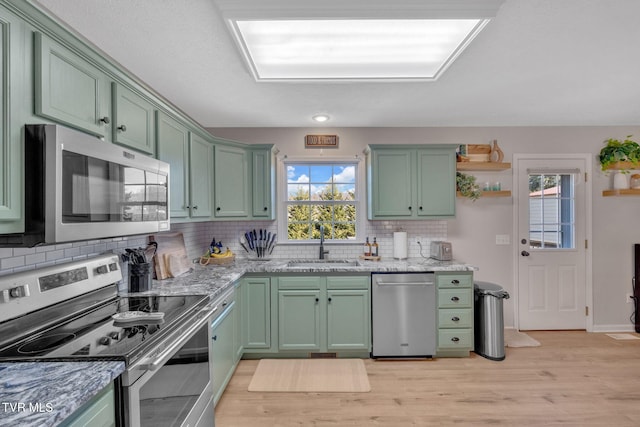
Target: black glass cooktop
96	334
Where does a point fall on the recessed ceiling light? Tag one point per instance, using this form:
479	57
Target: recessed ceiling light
320	118
353	49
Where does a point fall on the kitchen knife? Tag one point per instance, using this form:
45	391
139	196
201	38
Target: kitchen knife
273	243
267	241
242	242
260	247
247	236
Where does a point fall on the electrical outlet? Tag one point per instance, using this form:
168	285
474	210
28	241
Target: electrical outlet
421	241
630	298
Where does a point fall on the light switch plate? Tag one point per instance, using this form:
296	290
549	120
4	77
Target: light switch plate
502	239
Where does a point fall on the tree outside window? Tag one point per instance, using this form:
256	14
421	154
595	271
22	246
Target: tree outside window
321	194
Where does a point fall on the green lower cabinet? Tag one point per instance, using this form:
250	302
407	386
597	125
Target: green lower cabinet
324	314
100	411
255	314
237	324
223	351
299	320
455	314
347	311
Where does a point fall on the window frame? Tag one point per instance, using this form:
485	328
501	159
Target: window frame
359	198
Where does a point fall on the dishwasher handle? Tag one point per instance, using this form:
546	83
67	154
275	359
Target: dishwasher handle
380	283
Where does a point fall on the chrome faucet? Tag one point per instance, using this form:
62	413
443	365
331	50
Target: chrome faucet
322	251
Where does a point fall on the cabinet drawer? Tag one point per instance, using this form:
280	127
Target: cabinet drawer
299	282
455	339
455	318
354	282
450	298
454	280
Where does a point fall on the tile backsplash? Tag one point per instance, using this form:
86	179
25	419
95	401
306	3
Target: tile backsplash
198	235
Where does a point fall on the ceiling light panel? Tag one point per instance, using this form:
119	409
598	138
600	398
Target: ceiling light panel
349	49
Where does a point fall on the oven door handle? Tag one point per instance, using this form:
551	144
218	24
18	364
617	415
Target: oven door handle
155	362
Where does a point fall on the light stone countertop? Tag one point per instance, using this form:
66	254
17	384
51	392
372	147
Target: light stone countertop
212	280
43	394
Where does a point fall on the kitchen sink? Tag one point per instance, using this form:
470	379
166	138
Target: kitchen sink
323	263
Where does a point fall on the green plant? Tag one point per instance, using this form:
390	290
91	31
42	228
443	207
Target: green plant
467	186
619	151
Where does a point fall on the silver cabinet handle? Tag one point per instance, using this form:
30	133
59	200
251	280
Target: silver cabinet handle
122	128
105	120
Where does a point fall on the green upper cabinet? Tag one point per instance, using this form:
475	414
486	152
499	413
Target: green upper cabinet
263	182
391	184
133	120
200	177
70	90
13	91
190	157
411	182
173	148
231	186
436	182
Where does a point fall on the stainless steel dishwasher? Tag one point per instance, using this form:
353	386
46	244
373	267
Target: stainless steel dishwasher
403	310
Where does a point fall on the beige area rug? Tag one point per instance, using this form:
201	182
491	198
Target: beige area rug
310	375
623	336
515	338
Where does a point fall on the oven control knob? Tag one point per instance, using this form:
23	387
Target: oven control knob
115	335
102	269
104	341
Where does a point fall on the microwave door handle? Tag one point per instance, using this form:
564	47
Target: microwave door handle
153	363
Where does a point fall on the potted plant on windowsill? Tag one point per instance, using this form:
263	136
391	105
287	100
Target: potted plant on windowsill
620	155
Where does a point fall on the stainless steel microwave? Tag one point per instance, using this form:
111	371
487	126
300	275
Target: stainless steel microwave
78	187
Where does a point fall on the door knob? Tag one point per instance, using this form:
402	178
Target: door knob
525	253
105	120
122	128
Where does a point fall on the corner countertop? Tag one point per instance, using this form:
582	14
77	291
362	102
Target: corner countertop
214	279
43	394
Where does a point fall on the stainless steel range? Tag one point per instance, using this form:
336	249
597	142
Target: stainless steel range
72	312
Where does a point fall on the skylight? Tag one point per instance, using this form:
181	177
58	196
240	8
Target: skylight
351	49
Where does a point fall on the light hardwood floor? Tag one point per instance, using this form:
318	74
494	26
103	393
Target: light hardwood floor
573	379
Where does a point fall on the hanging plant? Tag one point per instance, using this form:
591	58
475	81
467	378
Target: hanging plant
619	151
466	185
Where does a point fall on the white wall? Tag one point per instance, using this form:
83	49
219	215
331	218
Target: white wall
615	219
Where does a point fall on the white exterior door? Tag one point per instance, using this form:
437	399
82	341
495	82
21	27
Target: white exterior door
552	243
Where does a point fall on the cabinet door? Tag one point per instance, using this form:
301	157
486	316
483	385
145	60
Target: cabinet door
436	183
299	320
348	319
173	148
256	313
133	120
99	411
68	89
262	184
237	324
223	353
201	177
231	182
11	164
391	192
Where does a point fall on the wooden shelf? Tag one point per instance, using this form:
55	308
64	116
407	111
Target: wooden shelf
482	166
625	192
502	193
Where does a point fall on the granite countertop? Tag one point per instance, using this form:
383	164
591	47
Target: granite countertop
214	279
43	394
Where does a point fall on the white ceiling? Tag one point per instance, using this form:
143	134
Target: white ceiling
537	63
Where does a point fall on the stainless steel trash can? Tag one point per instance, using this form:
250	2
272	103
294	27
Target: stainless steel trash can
489	320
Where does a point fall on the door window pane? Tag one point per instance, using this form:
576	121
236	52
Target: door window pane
551	211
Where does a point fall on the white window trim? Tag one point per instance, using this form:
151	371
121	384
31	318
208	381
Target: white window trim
361	197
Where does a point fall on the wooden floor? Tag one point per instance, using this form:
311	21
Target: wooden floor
573	379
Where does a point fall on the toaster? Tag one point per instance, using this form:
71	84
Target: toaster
441	251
